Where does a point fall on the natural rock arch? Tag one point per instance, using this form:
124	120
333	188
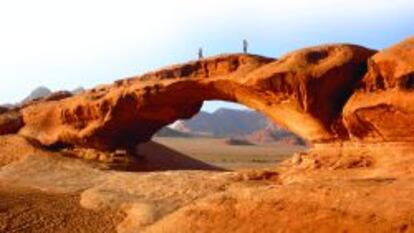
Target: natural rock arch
304	91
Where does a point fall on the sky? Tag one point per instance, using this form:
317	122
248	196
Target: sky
67	44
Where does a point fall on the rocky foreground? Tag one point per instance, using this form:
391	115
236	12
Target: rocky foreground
355	105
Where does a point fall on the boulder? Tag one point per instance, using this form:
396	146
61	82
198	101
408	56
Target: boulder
10	122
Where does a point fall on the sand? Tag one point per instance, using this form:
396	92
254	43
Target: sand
24	209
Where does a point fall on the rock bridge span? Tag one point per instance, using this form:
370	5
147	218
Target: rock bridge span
318	93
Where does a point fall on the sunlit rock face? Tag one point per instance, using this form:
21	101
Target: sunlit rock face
303	91
382	108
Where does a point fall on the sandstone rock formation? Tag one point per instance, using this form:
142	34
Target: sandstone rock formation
15	148
10	121
382	108
273	133
327	94
303	91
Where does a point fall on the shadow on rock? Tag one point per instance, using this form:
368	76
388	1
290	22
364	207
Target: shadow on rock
156	157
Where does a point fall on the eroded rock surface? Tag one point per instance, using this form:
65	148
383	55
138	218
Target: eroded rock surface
10	121
337	95
15	148
367	199
303	91
382	109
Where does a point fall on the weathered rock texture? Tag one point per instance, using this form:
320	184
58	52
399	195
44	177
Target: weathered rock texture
325	94
382	109
10	121
283	200
303	91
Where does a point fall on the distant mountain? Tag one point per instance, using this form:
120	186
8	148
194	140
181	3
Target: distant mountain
244	125
41	92
223	123
274	133
37	93
78	90
168	132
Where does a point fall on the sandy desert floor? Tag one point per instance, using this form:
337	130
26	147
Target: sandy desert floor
217	152
48	192
24	209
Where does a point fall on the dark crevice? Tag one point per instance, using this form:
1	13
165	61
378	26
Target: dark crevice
407	82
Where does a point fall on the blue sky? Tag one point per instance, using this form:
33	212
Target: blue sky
64	45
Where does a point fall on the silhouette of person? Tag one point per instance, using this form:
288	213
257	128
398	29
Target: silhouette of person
245	46
200	53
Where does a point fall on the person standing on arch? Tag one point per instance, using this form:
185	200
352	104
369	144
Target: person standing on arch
245	46
200	53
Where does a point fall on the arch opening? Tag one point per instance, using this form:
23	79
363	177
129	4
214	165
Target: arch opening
230	136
